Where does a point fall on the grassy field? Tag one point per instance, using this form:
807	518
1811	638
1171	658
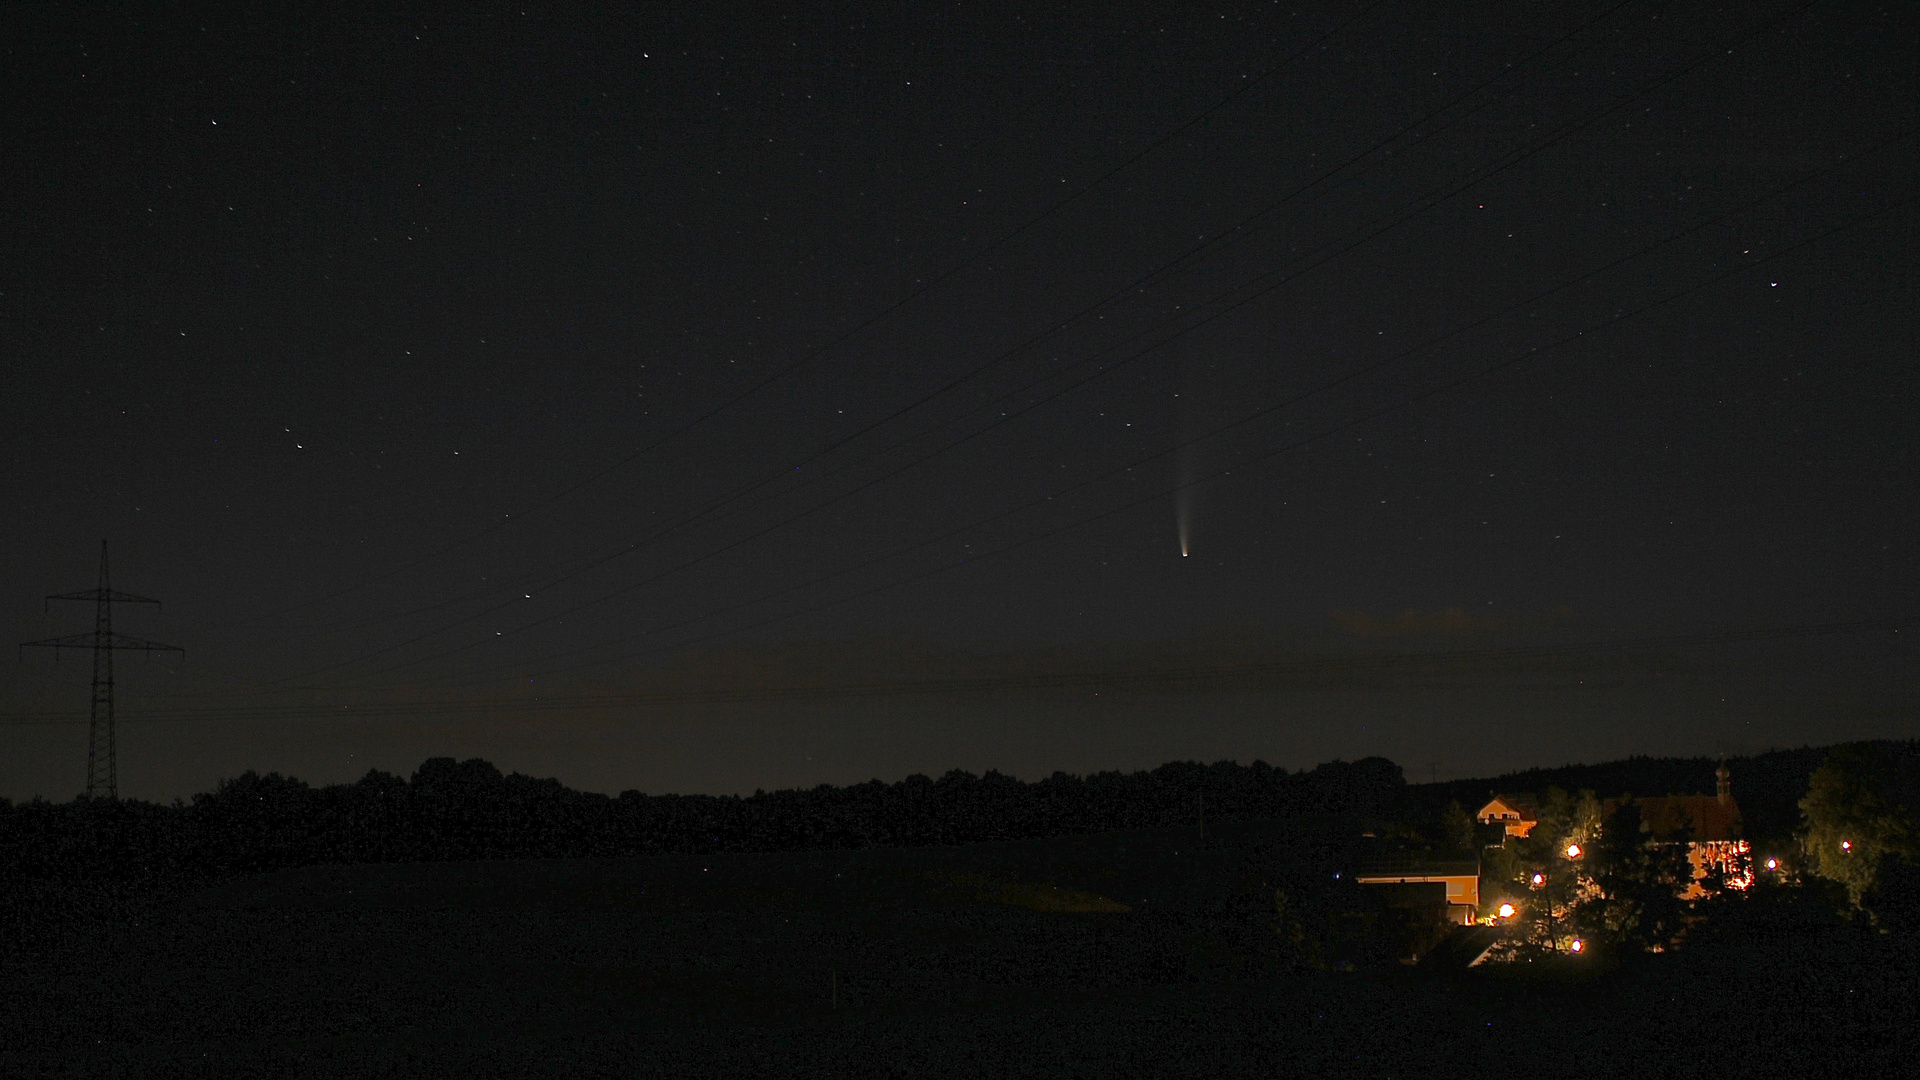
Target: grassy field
1087	956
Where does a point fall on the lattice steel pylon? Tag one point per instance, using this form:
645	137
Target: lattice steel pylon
102	770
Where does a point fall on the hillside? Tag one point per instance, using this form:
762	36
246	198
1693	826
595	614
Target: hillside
1116	954
1768	786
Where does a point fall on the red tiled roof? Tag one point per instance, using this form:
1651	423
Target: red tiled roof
1705	815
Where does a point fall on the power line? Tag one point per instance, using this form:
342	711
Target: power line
103	773
1313	392
1235	232
819	350
1419	208
1157	496
1224	675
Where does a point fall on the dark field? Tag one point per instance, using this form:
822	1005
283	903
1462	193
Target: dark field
988	960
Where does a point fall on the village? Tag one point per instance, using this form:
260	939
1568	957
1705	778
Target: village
1312	905
1523	890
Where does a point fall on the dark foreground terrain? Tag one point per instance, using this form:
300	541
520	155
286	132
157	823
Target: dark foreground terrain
1090	956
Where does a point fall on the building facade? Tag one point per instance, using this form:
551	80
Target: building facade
1456	883
1709	824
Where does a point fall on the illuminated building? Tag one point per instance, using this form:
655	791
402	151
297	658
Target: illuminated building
1451	887
1712	826
1516	812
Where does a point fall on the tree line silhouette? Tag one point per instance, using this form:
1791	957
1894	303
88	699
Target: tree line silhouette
1768	785
450	810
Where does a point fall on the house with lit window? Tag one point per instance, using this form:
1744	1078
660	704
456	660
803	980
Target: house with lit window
1516	812
1710	823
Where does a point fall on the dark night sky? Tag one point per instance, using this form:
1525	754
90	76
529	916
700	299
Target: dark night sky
567	389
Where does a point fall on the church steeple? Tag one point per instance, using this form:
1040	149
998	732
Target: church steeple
1724	789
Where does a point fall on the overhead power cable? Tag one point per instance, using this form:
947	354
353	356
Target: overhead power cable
817	351
1225	676
1206	246
1157	496
1196	322
1327	253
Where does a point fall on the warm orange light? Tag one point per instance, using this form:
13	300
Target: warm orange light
1539	879
1506	911
1773	864
1846	845
1573	851
1578	945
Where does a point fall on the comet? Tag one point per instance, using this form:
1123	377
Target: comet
1183	502
1183	520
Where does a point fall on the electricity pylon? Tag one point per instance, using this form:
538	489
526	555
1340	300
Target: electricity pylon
102	773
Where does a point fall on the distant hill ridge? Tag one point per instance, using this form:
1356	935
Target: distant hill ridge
457	810
1768	785
470	810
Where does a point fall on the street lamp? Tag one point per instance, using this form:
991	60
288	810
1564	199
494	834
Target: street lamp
1506	911
1540	881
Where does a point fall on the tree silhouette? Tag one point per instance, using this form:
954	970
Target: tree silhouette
1858	827
1638	879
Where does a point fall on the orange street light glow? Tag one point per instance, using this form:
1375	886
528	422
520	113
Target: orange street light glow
1506	911
1578	945
1539	879
1573	851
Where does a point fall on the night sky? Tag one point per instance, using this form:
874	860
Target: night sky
702	398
